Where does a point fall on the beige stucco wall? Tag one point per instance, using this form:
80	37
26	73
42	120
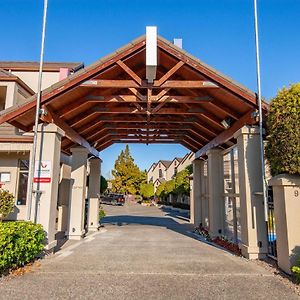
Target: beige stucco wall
31	78
187	162
11	89
9	163
150	173
156	171
15	94
170	171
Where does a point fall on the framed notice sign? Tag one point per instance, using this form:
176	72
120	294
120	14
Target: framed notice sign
42	171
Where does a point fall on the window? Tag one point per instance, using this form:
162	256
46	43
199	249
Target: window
2	97
175	171
160	174
23	181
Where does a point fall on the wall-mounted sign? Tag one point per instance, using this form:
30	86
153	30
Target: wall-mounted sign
4	177
42	171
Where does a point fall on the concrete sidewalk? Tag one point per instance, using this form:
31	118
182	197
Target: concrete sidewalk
145	253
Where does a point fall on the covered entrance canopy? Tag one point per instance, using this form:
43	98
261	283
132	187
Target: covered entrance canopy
111	101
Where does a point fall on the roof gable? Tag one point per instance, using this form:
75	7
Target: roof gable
76	103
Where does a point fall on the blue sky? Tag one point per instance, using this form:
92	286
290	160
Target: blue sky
219	32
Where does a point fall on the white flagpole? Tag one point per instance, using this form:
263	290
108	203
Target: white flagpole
37	113
260	111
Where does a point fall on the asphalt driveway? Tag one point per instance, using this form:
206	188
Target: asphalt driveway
144	253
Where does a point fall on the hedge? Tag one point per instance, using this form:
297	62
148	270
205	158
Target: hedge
20	243
7	203
283	132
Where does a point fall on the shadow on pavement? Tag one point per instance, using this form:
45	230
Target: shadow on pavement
176	213
167	222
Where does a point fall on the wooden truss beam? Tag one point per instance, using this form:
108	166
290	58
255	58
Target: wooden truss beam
227	134
183	84
169	73
130	112
136	98
158	132
71	133
132	74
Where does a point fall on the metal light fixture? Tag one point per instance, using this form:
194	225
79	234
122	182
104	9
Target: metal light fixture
226	123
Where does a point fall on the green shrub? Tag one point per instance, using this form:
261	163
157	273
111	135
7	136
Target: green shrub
296	273
20	243
283	147
102	213
7	203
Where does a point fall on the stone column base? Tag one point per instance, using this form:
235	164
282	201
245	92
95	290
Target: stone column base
51	245
76	236
94	228
253	252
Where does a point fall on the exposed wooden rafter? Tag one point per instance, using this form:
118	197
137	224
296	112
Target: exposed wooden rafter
71	133
227	134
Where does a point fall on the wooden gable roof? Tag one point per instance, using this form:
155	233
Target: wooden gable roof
111	102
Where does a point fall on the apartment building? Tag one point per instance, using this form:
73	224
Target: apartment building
18	82
165	170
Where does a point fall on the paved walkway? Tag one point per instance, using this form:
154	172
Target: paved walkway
144	253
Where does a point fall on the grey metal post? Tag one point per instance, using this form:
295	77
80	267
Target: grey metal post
37	113
260	109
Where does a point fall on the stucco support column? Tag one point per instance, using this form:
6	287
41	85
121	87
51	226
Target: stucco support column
195	205
253	225
216	209
93	191
78	192
63	197
286	193
48	152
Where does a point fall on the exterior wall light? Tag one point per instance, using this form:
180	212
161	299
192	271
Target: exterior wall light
226	123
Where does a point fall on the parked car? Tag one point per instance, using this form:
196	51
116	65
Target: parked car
113	199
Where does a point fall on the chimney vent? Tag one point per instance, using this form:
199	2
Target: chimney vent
178	43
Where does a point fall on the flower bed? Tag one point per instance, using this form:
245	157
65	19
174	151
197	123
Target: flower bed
224	243
20	243
220	241
203	232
